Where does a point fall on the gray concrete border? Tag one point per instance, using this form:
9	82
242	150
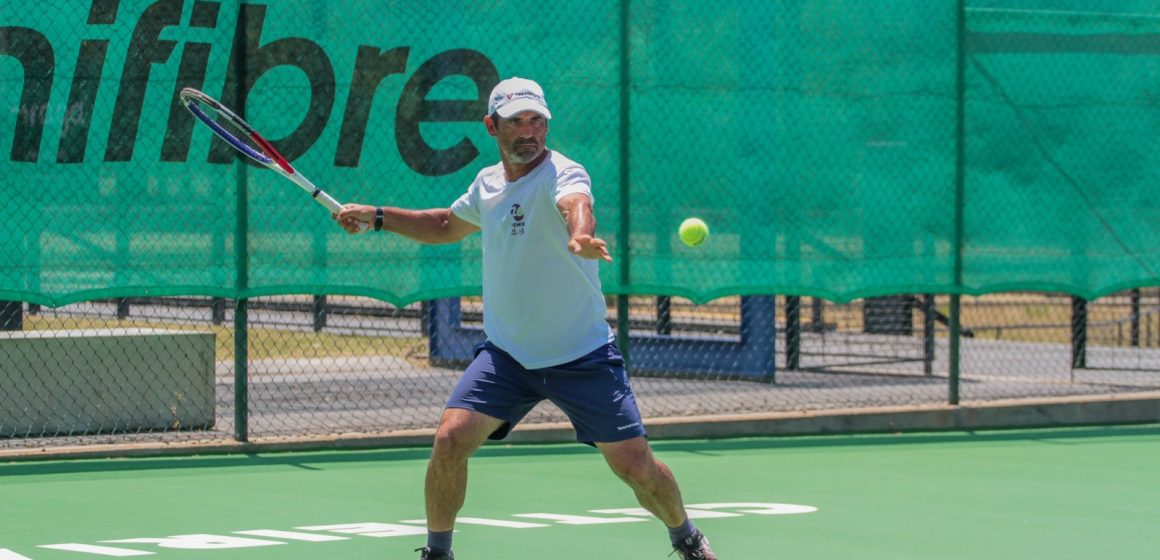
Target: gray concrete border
1057	412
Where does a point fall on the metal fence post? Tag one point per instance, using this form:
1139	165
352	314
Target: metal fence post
242	261
11	316
960	195
793	332
1079	321
622	308
928	319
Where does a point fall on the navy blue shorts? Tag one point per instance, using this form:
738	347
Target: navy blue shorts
592	390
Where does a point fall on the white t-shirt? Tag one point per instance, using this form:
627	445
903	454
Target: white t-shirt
541	304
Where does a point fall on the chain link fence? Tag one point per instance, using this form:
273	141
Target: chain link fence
911	202
341	366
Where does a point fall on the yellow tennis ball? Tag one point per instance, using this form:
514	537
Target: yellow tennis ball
693	231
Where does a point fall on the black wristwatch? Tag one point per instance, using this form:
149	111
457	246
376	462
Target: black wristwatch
379	218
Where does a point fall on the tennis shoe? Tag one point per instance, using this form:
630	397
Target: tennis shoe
694	547
428	554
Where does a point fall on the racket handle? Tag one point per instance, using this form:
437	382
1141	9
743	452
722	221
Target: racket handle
334	206
328	201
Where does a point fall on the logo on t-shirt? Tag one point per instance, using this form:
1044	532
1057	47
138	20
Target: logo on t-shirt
517	213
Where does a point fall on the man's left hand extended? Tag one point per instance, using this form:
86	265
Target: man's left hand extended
589	247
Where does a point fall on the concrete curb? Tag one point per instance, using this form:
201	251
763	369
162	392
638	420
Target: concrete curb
1133	408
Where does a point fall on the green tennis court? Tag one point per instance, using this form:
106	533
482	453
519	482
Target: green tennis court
1059	494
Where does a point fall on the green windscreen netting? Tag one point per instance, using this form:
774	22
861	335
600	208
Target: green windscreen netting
838	148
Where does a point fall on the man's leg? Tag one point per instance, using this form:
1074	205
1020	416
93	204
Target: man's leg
652	481
656	490
460	433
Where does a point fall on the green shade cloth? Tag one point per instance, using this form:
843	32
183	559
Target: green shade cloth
817	138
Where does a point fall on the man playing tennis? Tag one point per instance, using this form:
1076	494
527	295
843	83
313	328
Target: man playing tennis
544	316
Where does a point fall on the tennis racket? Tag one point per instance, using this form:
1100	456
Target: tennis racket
228	126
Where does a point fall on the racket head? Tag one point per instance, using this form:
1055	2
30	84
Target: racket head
236	132
233	129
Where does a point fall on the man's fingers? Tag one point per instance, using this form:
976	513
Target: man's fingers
590	248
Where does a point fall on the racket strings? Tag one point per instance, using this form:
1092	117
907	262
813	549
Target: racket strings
232	129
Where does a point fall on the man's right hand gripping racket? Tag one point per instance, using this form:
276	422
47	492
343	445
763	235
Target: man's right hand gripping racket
242	137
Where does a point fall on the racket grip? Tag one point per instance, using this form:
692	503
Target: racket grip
328	201
334	206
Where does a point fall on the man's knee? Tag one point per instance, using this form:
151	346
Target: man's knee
460	433
450	444
632	461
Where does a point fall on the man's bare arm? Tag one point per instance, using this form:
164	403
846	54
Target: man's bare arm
434	226
581	223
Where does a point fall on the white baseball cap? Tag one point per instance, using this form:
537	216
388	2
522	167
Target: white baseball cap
516	95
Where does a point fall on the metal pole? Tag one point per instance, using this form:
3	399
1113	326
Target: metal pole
664	315
817	319
11	316
928	334
1135	317
424	317
793	332
318	311
241	373
217	310
960	195
242	260
953	351
622	317
1079	321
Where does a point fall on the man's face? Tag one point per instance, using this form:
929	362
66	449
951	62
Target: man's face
521	137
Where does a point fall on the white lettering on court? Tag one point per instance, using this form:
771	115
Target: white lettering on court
372	529
369	529
290	535
482	521
200	542
579	519
693	513
762	509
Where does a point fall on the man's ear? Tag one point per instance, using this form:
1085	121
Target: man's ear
490	124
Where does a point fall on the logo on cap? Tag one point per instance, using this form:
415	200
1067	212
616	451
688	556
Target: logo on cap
515	95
